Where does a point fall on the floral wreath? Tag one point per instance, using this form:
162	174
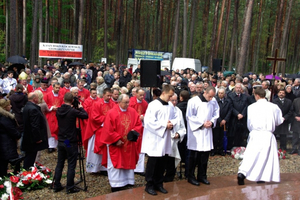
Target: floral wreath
36	178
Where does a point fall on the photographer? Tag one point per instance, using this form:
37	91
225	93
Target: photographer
67	142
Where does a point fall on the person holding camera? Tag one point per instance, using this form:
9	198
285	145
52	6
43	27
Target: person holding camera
67	142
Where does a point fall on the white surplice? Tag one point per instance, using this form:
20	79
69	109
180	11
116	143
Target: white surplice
181	130
118	177
156	137
93	160
261	161
197	113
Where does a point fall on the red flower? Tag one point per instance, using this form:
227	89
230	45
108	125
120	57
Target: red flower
34	170
284	151
25	173
1	186
26	182
280	150
17	193
14	179
38	177
283	157
278	154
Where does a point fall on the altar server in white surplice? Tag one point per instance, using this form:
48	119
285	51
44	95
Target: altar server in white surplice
177	135
159	121
201	115
261	161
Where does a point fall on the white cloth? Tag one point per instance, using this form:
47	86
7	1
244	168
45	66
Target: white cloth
52	142
140	166
181	130
118	177
156	137
268	94
9	84
197	114
261	161
93	160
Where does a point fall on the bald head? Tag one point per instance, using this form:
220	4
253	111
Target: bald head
33	97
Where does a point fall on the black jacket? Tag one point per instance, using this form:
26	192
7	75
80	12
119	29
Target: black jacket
66	117
35	128
18	101
225	110
8	136
124	80
285	108
183	106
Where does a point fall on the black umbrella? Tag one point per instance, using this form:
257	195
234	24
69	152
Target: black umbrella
293	76
76	64
18	66
17	59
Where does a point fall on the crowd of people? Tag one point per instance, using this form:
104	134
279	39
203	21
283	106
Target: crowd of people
120	122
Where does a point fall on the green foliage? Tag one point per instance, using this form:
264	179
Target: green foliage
98	52
2	46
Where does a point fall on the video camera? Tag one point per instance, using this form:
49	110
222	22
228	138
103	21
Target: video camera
76	102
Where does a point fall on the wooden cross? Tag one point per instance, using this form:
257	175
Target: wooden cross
275	59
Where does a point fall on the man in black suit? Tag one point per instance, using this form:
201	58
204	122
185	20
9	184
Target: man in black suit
284	104
225	106
237	131
35	130
295	126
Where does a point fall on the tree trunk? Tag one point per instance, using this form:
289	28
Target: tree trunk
234	33
276	35
24	29
213	36
226	32
245	38
219	29
105	28
257	42
194	14
13	30
6	29
157	29
204	29
283	46
175	42
33	44
119	31
75	21
53	20
47	21
184	36
80	22
40	28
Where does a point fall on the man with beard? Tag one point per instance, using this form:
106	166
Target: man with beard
115	95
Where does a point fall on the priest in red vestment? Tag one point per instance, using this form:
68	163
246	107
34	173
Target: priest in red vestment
23	81
115	95
122	154
67	87
91	138
83	93
140	106
44	86
53	100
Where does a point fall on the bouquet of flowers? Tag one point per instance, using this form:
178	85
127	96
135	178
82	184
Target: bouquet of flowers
238	152
281	154
37	177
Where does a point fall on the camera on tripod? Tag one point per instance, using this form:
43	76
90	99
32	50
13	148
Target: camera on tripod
76	102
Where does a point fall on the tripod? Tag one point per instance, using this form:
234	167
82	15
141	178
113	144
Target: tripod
81	160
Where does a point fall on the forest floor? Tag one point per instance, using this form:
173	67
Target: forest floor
99	185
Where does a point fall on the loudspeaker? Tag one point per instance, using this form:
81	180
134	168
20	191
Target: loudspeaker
150	72
217	65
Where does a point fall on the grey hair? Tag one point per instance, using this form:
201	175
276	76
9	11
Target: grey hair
73	89
121	97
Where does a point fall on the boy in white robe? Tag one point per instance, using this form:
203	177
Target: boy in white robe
261	161
201	115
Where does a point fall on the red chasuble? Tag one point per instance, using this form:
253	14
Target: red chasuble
96	119
29	88
43	91
51	100
117	124
114	102
83	94
140	108
64	90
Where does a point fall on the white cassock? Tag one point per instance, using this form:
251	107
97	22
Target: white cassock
261	161
156	137
197	113
93	160
181	130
